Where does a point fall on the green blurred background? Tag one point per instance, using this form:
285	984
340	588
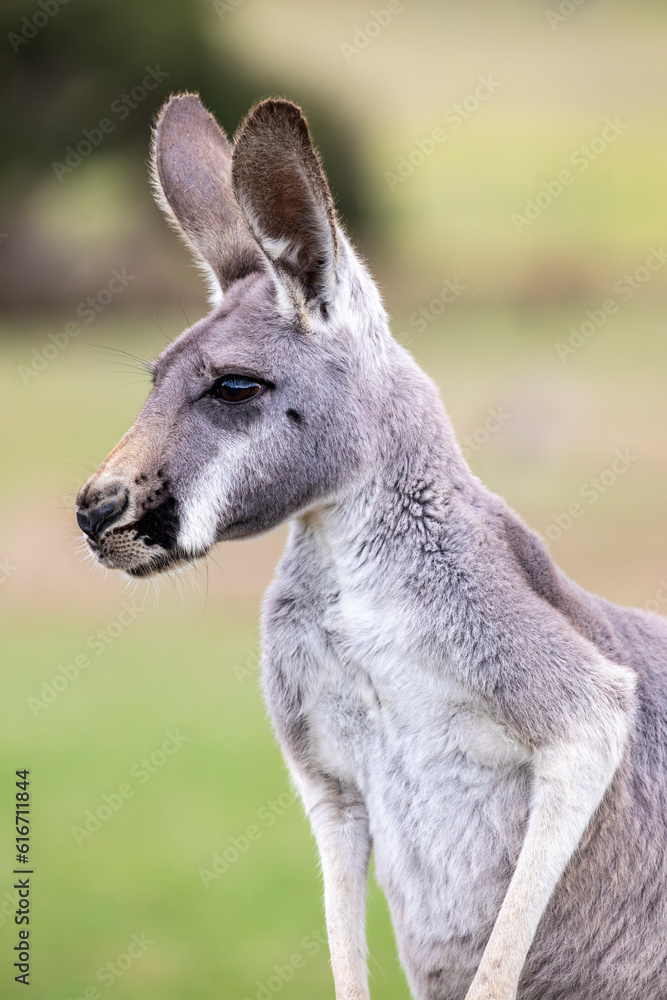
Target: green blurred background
541	423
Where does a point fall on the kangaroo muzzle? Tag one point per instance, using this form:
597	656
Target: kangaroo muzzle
130	520
94	518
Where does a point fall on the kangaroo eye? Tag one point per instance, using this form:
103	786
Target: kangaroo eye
235	389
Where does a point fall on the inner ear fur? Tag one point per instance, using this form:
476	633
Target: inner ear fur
191	161
282	190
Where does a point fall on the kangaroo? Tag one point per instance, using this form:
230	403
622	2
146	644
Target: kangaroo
442	693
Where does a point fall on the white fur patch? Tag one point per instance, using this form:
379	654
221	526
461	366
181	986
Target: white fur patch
214	292
208	499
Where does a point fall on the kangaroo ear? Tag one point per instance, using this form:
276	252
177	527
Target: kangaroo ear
283	193
192	177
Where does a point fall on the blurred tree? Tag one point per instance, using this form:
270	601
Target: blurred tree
68	64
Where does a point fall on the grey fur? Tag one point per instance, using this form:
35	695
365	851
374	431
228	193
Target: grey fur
442	693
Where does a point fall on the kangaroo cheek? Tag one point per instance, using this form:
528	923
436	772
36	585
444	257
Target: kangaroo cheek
206	500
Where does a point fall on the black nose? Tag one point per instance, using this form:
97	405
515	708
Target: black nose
99	517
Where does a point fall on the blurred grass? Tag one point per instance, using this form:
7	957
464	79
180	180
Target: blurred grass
139	872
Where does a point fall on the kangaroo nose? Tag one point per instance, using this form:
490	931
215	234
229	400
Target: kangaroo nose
96	519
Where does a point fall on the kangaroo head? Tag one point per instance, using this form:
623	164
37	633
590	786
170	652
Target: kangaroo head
269	405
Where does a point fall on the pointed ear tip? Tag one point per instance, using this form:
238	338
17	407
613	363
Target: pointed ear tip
274	110
179	103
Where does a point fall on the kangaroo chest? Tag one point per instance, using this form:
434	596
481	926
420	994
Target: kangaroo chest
376	699
445	785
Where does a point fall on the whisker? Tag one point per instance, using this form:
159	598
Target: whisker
195	338
183	311
164	334
145	364
79	465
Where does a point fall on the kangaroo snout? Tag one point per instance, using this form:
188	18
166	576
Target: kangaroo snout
130	520
100	510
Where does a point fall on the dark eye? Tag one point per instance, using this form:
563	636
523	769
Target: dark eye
235	388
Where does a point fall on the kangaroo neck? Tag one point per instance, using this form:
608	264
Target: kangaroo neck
403	512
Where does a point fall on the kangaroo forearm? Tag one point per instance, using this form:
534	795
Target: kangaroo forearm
340	824
570	780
